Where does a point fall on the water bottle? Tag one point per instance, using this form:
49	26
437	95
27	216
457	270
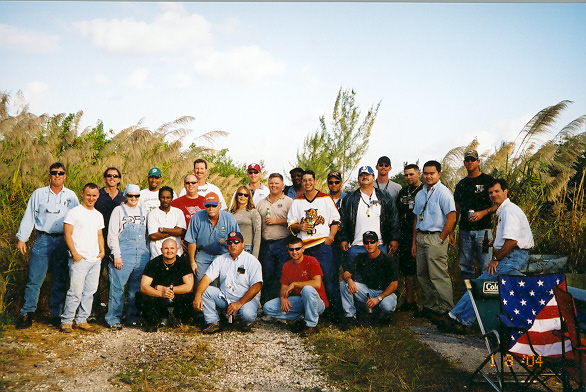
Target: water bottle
485	242
268	213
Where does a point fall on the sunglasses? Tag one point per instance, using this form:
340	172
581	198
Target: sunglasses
209	205
236	242
112	176
57	173
242	194
252	172
133	196
368	242
384	165
295	249
469	159
334	182
190	182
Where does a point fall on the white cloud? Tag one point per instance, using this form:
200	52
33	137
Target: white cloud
172	31
181	80
243	64
15	38
100	80
138	79
34	91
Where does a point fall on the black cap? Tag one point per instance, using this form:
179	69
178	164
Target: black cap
369	235
383	159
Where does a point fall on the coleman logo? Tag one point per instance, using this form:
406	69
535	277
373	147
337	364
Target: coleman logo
490	287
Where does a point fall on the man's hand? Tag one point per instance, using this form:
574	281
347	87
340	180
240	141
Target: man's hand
393	246
478	215
372	302
269	220
452	239
77	257
233	308
329	240
285	304
168	293
344	246
492	267
21	246
352	287
414	250
118	262
305	226
197	303
101	255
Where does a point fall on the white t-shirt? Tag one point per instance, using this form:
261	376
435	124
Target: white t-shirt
367	217
86	224
158	218
205	189
149	200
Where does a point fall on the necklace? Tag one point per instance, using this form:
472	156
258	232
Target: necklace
378	185
167	266
368	205
414	189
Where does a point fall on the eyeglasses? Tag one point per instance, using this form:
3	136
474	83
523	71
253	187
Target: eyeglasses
384	165
470	159
112	176
209	205
242	194
133	196
334	182
190	182
295	249
368	242
297	175
57	173
235	242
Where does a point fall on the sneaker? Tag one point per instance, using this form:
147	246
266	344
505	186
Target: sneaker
164	322
115	327
212	328
24	321
246	328
93	318
67	328
134	324
55	321
85	327
298	326
151	328
309	331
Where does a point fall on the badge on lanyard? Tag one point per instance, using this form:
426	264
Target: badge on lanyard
421	217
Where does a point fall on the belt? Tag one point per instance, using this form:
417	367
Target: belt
271	241
50	234
428	232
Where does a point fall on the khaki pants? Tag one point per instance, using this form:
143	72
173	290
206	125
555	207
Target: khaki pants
432	272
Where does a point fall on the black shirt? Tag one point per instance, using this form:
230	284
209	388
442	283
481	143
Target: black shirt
163	275
375	273
105	204
472	194
405	203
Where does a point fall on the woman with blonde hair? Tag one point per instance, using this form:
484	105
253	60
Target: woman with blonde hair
248	218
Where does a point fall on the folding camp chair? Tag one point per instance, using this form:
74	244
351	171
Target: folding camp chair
574	361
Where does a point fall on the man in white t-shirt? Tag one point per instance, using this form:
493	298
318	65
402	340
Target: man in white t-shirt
82	227
200	169
165	222
149	197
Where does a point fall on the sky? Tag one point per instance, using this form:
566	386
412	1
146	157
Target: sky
265	72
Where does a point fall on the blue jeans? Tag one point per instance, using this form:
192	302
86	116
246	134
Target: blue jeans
309	304
85	276
512	264
272	256
331	279
47	250
203	261
470	249
213	299
387	305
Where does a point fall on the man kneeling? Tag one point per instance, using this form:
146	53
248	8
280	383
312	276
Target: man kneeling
371	279
240	280
302	291
167	281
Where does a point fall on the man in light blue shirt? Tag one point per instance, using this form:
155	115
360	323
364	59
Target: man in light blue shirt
207	233
45	212
435	212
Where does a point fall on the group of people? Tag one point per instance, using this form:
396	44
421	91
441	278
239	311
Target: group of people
293	251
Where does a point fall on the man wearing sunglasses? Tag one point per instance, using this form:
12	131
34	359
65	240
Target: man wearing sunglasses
45	212
383	166
371	279
191	202
240	280
207	233
200	170
474	208
302	297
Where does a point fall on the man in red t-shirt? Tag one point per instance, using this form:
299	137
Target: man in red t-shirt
302	291
191	202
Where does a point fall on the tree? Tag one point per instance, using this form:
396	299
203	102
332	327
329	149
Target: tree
343	145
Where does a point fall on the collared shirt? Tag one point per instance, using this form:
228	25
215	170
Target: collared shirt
434	204
208	238
279	210
512	225
45	211
236	276
159	218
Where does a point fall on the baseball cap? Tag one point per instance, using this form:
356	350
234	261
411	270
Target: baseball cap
384	159
155	172
235	235
132	189
335	174
365	169
471	153
254	166
296	170
211	199
369	235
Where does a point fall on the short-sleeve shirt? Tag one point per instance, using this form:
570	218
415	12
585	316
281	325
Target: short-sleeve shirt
86	224
472	194
377	273
159	218
236	276
434	204
391	187
306	270
166	275
208	238
405	205
279	210
512	225
321	212
205	189
149	200
188	206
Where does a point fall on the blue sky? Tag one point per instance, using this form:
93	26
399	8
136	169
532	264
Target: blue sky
265	72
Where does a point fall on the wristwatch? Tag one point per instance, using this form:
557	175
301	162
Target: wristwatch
379	298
